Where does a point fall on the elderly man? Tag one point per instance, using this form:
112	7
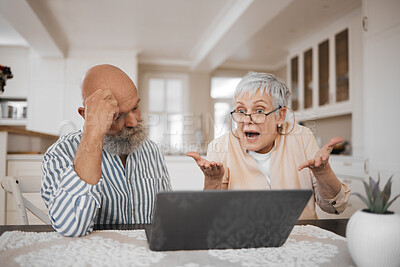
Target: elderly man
109	173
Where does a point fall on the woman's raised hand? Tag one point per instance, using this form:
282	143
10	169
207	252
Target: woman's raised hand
321	159
213	171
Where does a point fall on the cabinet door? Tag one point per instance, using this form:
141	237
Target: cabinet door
323	72
308	79
46	97
294	70
16	58
342	65
29	172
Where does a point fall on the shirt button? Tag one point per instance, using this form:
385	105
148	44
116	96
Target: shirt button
333	202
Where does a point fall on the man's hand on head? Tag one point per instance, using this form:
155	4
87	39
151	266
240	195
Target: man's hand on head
101	109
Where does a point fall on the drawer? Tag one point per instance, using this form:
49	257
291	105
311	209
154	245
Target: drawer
347	167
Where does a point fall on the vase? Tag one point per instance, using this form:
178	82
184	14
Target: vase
374	239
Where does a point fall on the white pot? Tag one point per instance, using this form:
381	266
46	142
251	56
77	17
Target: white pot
374	239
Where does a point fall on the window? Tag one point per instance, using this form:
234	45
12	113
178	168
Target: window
165	118
222	90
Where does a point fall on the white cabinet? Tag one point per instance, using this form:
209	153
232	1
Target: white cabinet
322	70
17	58
46	95
28	169
327	81
17	88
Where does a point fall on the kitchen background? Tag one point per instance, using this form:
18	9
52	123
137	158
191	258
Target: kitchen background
340	59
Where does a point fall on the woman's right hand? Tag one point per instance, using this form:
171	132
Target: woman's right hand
213	171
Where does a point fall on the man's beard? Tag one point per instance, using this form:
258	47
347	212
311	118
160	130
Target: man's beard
127	141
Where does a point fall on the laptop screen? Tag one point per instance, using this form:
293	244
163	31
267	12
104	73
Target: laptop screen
224	218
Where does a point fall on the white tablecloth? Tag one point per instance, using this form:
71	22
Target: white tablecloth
306	246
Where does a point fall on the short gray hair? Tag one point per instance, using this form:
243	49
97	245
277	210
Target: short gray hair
264	82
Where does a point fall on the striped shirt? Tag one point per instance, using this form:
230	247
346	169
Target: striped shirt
122	196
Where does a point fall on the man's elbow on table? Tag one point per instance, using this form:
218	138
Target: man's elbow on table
70	227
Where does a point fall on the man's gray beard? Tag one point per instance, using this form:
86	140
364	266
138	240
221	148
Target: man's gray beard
127	141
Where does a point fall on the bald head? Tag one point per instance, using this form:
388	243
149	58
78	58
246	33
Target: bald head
108	77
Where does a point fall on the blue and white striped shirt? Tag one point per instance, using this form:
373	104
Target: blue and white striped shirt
122	196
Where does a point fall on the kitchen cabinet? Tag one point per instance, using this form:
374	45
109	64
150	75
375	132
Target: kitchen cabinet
17	58
321	68
325	72
17	88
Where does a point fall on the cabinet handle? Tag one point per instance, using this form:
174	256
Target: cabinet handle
365	23
366	167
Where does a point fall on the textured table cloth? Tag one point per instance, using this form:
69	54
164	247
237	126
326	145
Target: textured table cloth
306	246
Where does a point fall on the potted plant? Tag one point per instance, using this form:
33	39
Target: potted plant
373	234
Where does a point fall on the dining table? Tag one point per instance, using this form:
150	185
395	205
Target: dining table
310	243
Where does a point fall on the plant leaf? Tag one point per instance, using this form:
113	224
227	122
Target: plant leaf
387	191
368	190
372	182
363	200
391	202
378	207
375	191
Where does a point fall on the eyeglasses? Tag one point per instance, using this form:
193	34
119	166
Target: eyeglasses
239	116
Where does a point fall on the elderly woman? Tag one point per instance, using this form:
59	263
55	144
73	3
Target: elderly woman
265	152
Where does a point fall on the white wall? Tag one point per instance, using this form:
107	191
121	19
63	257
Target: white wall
382	90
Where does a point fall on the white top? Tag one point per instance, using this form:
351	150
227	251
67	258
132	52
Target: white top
263	162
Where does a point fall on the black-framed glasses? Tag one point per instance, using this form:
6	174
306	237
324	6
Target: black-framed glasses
239	116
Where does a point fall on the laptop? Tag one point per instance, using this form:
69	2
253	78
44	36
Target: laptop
222	219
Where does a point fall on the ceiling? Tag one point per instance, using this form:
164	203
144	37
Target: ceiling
201	34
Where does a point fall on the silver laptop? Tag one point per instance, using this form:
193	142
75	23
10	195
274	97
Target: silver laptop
221	219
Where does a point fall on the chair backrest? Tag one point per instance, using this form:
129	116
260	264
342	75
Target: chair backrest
16	187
